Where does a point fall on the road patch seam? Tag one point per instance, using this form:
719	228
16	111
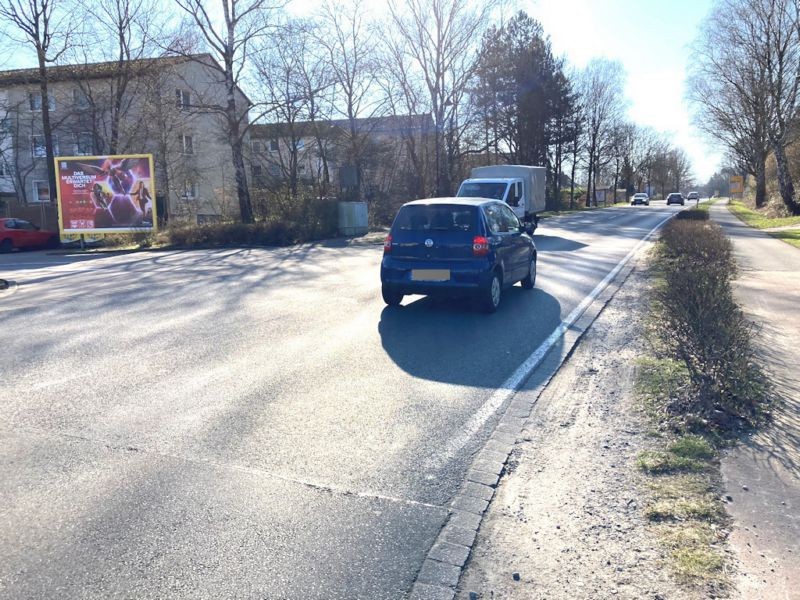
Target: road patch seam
129	448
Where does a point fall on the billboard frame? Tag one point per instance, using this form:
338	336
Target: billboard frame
105	230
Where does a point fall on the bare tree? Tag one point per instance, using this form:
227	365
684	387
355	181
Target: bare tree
645	146
775	44
728	90
601	87
405	96
440	41
11	128
121	36
229	40
746	85
319	89
350	42
48	30
280	78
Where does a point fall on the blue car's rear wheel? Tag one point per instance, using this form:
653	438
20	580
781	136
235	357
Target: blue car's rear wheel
530	280
490	295
391	297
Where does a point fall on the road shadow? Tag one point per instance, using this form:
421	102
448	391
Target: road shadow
776	446
555	243
451	341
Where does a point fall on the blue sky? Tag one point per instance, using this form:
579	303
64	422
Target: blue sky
651	38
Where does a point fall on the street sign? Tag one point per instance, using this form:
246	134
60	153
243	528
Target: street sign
737	185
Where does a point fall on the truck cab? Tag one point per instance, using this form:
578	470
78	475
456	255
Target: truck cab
507	190
521	187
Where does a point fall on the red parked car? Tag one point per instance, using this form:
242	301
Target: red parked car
18	233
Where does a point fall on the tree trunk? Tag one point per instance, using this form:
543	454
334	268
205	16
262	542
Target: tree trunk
46	128
589	182
242	191
235	140
785	179
558	166
761	182
572	180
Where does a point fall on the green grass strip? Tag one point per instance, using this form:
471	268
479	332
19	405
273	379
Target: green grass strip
755	219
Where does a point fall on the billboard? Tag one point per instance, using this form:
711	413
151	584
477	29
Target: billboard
106	194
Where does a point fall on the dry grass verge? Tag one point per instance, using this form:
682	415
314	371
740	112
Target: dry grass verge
683	486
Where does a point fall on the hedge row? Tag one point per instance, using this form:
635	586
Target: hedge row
302	222
700	323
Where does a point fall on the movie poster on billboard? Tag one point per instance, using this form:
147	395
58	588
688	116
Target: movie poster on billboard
106	194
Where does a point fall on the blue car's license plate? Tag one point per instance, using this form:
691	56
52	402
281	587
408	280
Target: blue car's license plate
430	275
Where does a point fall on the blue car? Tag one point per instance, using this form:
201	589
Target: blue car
456	247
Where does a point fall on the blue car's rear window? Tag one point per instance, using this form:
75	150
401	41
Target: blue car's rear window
437	217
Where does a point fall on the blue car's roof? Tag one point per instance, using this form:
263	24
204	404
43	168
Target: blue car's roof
453	200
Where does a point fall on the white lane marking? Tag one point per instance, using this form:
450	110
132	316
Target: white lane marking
510	386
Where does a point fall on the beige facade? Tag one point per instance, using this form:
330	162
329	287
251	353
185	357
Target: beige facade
168	107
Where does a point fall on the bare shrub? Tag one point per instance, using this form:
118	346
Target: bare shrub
692	215
700	323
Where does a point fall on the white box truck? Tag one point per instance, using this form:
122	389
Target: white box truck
519	186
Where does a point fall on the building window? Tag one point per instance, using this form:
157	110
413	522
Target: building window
35	99
79	98
39	148
41	192
257	170
3	169
256	147
186	143
182	99
273	145
300	144
189	190
85	145
301	168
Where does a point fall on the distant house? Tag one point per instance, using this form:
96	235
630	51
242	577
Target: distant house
325	154
165	106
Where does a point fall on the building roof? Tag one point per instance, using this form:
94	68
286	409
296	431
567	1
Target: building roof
97	70
390	125
102	70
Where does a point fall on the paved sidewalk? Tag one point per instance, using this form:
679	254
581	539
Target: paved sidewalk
762	476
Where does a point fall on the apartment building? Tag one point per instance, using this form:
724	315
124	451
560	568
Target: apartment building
169	107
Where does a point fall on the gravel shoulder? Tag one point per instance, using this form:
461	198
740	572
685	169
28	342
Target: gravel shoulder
566	520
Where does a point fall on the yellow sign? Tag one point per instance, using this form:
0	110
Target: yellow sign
737	184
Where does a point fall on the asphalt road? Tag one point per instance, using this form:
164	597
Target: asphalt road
253	423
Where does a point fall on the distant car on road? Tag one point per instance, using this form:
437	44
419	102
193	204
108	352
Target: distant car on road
457	247
640	198
18	233
693	196
675	198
